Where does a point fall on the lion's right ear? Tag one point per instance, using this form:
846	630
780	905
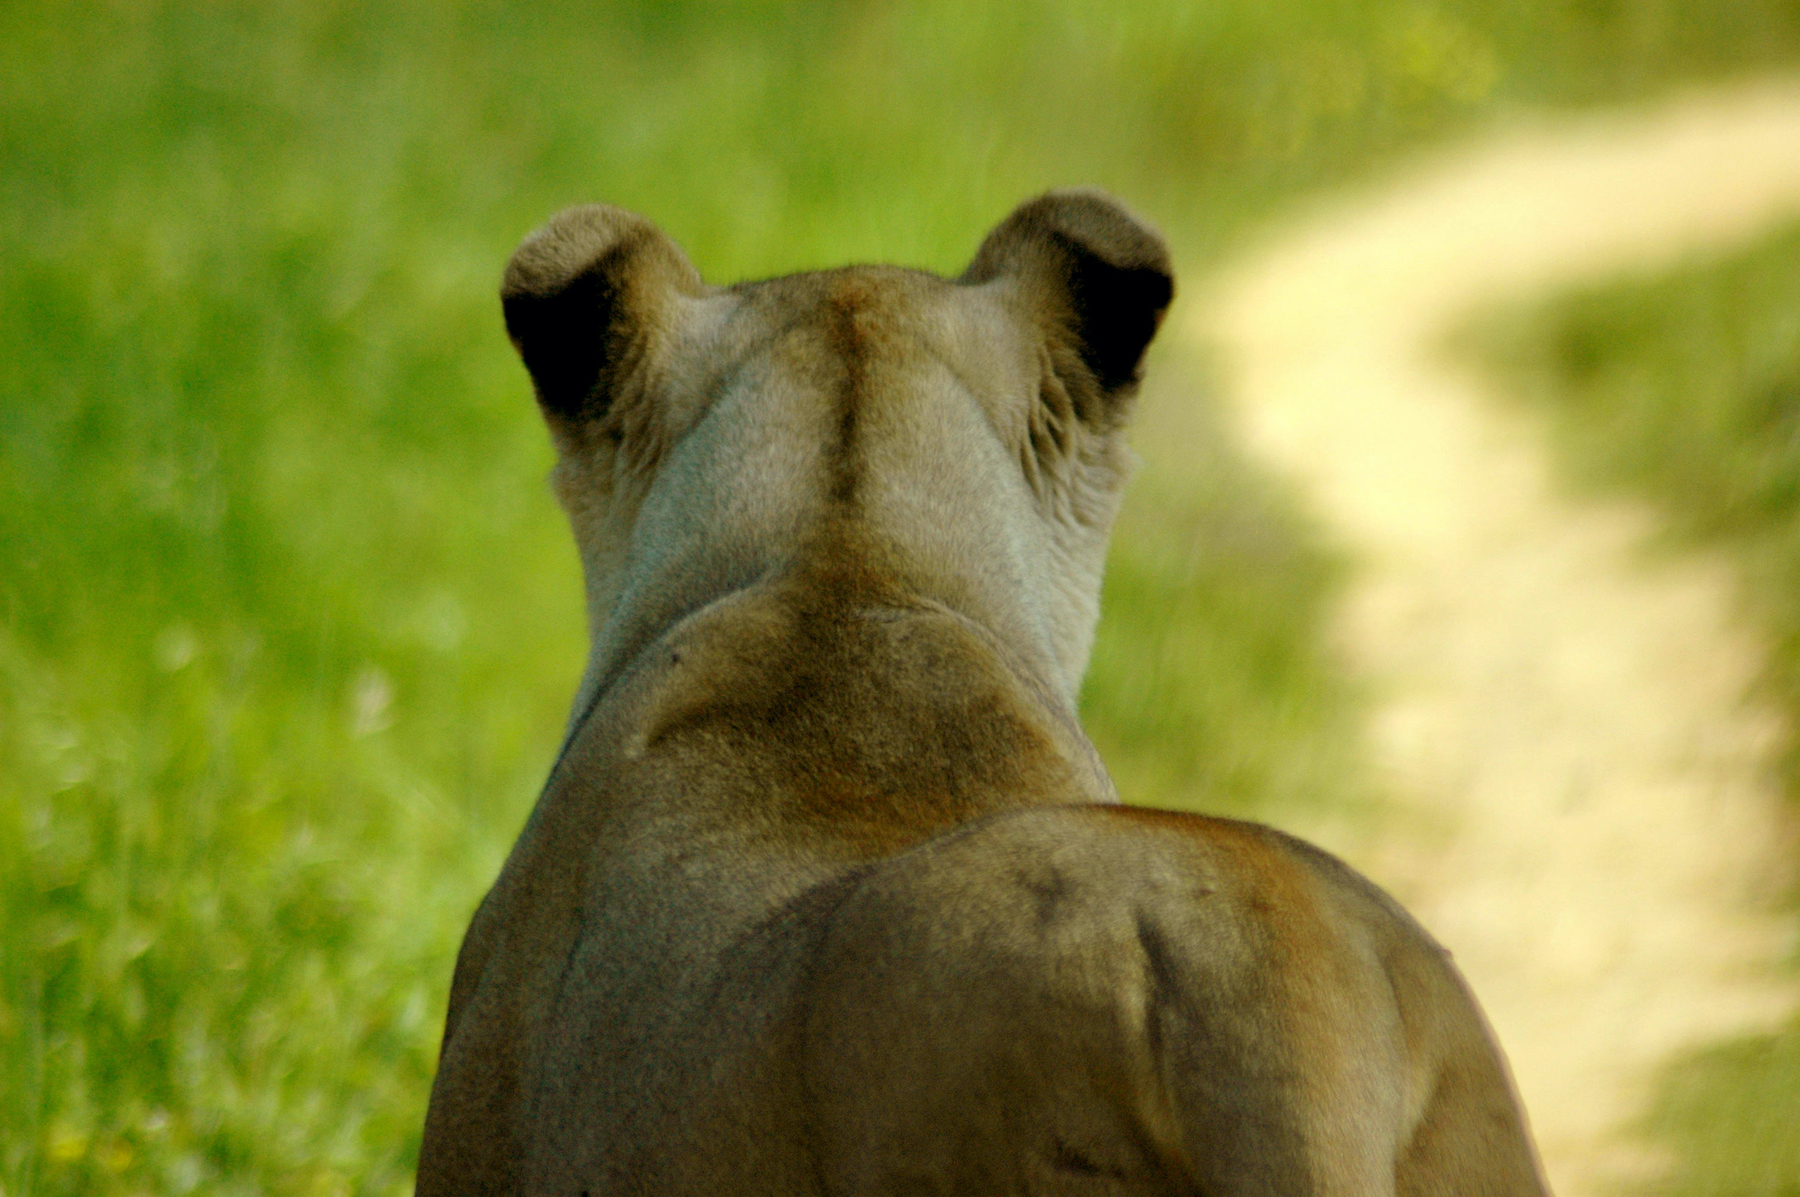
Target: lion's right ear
1090	271
593	290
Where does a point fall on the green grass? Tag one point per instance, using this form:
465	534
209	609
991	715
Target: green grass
287	619
1684	391
1212	684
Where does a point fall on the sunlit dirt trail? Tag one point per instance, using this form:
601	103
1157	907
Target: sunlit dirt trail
1585	813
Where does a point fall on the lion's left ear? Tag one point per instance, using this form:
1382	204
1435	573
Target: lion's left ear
1088	268
594	291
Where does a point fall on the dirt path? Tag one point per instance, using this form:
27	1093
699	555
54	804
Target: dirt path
1587	821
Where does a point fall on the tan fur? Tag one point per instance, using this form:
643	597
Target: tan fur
828	892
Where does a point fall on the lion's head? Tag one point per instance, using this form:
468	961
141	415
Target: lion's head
960	437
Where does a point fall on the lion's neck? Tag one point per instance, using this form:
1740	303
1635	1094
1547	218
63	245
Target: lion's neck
830	577
871	718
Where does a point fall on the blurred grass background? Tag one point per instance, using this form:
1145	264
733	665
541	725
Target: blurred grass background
288	622
1684	391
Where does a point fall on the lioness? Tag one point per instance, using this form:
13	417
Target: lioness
828	892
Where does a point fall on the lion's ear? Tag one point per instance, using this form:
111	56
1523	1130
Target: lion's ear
597	287
1089	268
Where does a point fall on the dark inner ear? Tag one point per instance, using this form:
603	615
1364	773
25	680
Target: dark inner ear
1116	311
564	336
